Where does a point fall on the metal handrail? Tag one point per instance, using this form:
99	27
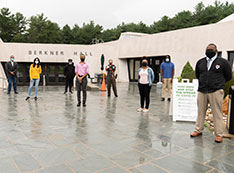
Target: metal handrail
3	80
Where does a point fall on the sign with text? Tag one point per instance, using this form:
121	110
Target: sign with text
184	100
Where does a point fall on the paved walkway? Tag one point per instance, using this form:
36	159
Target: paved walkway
52	135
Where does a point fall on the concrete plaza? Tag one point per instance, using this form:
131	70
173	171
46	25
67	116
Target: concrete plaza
52	135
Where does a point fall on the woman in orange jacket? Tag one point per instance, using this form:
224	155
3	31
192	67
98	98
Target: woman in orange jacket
34	73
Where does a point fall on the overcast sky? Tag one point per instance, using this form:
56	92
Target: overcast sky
108	13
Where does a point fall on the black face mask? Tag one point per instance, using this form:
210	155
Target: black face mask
144	64
210	53
82	60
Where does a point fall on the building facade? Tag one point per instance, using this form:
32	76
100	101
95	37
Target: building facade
182	45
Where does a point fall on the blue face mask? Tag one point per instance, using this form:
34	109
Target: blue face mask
12	59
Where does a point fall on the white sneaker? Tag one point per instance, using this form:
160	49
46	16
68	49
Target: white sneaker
145	110
139	110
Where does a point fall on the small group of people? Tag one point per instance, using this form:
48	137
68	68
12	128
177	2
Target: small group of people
81	71
212	72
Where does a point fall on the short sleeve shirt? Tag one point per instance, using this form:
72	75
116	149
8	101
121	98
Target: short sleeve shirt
167	68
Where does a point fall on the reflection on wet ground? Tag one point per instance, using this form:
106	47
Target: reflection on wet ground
53	135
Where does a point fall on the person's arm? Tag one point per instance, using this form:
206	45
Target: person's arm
227	71
40	69
173	72
161	72
152	76
30	72
76	71
7	67
197	73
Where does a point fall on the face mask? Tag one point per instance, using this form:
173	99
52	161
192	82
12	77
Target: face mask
82	59
70	63
36	62
144	64
167	60
210	53
12	59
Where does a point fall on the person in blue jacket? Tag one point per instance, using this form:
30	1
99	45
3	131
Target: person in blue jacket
145	80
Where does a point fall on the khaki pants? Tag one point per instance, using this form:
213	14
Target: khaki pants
215	99
166	85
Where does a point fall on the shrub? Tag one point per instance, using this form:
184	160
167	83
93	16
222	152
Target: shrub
188	72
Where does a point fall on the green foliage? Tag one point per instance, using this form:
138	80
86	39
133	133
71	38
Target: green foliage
228	85
188	72
41	30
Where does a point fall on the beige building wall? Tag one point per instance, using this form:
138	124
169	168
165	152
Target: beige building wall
182	45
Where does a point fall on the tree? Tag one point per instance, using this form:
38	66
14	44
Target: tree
67	34
6	25
188	72
42	30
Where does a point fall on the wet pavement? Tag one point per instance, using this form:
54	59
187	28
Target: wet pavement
52	135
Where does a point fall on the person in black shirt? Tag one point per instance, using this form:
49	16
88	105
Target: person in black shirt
212	73
69	74
11	71
110	69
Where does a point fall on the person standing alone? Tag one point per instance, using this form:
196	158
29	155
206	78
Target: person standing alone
167	70
110	69
34	73
81	70
11	71
145	80
69	74
212	73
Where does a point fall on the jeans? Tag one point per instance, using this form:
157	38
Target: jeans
12	79
36	81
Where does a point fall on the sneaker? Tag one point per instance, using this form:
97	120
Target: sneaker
145	110
84	105
169	99
139	110
71	92
65	92
78	105
116	95
8	92
27	98
16	92
162	99
35	98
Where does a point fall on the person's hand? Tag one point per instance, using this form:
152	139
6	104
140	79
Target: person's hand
80	80
65	76
12	73
171	80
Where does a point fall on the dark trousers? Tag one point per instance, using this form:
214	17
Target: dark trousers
12	79
81	86
111	81
68	83
144	90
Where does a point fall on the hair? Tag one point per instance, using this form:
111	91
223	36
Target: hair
39	62
82	55
12	56
110	60
212	44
